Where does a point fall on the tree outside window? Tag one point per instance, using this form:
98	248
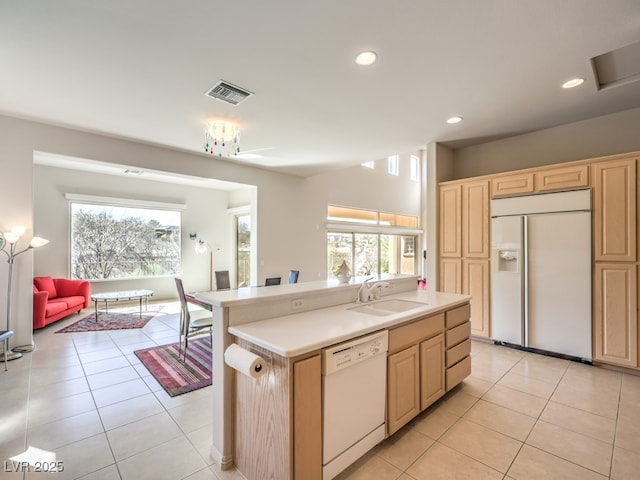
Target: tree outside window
111	242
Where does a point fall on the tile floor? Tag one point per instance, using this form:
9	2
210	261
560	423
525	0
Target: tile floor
519	416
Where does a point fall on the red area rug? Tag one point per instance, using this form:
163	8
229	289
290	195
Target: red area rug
120	319
175	375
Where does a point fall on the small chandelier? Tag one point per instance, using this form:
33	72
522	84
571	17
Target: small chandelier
222	139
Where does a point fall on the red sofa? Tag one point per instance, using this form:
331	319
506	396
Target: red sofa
55	298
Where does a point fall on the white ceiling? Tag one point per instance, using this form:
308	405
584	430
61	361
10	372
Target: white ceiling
140	70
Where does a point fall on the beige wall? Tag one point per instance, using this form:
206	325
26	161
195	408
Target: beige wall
596	137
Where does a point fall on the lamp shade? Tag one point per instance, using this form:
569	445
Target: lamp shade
11	237
38	242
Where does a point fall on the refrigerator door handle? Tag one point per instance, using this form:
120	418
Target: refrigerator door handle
525	280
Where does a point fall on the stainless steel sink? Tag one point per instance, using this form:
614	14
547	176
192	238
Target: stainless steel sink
383	308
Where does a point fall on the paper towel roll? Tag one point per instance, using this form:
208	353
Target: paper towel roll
244	361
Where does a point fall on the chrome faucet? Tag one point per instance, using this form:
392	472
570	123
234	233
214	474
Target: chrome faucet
367	293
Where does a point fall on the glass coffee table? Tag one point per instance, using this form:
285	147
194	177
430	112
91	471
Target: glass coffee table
106	297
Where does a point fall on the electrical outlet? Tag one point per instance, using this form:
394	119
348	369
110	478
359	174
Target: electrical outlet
297	304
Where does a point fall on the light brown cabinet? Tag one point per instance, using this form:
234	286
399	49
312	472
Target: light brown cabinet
561	178
417	375
467	271
451	221
403	387
475	277
614	210
431	370
616	314
475	219
512	184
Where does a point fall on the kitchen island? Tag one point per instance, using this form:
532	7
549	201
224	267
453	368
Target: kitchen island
270	427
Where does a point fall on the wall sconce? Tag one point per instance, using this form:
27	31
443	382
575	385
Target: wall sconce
11	238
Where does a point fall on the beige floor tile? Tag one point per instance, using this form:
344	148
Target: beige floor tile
486	373
95	356
625	464
527	385
443	463
580	421
370	466
201	439
534	464
136	437
204	474
434	422
482	444
119	392
192	415
176	458
112	377
515	400
403	448
599	399
52	435
105	365
475	387
500	419
121	413
45	411
628	433
106	473
62	389
81	458
574	447
456	402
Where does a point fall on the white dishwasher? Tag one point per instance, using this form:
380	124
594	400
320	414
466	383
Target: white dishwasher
354	386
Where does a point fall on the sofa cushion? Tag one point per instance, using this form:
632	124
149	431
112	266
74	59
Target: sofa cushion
70	302
53	308
46	284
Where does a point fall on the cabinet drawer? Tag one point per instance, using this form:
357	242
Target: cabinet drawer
458	372
458	315
562	178
457	353
458	334
415	331
516	184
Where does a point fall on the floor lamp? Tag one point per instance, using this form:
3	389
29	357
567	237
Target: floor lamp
201	247
11	239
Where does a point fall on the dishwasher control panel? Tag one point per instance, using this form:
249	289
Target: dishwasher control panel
354	351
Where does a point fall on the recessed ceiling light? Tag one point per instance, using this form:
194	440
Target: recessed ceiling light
366	58
133	172
454	119
574	82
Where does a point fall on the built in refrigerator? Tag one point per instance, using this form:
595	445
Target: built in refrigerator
541	272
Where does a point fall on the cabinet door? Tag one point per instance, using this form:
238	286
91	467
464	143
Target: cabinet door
450	275
615	316
431	370
475	282
614	210
513	184
403	388
563	178
451	221
475	219
307	419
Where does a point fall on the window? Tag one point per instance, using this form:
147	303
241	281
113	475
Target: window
243	250
116	242
369	164
370	242
393	164
415	168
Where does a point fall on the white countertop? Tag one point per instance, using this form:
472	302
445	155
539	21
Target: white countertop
295	334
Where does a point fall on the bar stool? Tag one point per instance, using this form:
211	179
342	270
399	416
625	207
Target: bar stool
4	338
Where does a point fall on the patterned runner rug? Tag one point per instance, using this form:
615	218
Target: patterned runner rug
117	319
175	375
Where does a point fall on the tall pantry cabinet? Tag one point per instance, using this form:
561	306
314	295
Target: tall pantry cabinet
464	247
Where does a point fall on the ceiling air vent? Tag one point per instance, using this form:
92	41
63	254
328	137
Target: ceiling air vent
228	92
